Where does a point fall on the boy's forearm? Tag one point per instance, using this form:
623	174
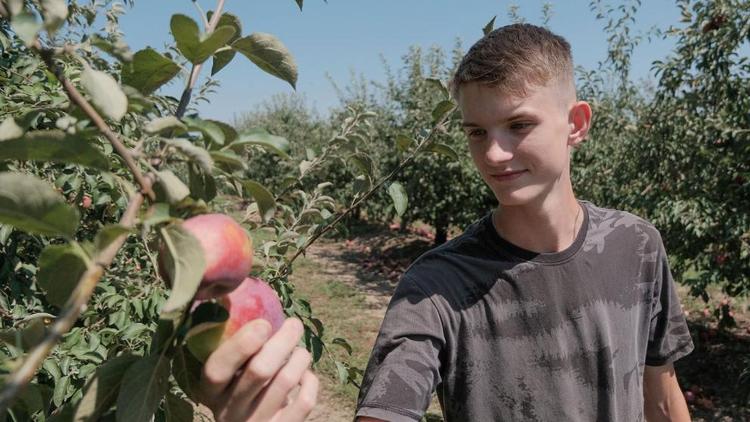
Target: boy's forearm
662	397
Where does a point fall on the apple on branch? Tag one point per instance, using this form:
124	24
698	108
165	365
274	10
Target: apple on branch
253	299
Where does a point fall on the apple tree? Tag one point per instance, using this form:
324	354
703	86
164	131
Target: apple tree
99	175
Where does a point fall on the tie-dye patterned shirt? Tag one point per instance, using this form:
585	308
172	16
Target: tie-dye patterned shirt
505	334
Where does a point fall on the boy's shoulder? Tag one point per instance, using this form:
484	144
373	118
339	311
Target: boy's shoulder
608	225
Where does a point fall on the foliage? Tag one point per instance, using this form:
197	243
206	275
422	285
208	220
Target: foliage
97	170
677	154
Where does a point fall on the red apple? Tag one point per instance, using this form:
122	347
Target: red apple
86	202
252	299
228	252
689	396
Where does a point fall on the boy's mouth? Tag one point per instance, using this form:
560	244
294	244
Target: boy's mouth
508	175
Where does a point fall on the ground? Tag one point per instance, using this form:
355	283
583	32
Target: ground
349	283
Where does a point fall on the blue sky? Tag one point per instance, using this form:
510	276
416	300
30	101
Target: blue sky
344	36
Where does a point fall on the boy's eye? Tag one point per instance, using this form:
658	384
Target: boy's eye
521	125
476	133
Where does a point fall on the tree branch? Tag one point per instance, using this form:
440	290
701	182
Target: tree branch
72	309
196	70
48	56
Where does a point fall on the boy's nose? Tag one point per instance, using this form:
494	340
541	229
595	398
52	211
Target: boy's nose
498	151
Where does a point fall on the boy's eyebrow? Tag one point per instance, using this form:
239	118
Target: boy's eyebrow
515	116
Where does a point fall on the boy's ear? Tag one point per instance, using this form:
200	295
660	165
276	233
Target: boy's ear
579	120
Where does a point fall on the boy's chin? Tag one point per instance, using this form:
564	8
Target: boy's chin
519	197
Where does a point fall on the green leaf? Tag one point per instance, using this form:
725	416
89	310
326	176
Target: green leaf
54	146
105	93
299	3
269	54
32	205
342	371
148	71
169	188
404	142
363	162
264	198
60	268
118	48
161	124
184	263
343	344
222	58
102	389
230	134
490	26
55	12
399	197
194	153
230	159
9	129
26	27
178	409
210	130
188	39
442	110
276	144
444	150
186	34
439	85
187	372
201	185
143	387
108	234
219	38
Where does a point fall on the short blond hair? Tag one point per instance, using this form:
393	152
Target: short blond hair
515	57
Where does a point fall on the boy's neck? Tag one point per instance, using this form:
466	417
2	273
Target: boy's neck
549	226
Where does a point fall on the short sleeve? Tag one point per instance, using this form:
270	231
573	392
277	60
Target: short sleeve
669	336
404	366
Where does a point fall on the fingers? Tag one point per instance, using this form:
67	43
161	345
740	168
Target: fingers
231	356
274	396
299	409
260	369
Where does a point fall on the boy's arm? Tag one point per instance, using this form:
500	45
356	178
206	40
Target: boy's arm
662	398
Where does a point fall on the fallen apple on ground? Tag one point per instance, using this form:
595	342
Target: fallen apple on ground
252	299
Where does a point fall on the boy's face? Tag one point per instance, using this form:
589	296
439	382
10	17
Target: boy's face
520	146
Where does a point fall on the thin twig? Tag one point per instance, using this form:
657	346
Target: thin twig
71	311
196	70
285	270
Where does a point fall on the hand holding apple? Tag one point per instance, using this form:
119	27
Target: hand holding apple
253	374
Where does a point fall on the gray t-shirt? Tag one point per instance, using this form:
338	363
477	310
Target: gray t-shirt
505	334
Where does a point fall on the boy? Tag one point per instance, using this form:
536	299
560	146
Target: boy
548	308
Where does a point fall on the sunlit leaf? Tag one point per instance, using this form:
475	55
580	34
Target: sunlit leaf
269	54
264	198
161	124
60	268
184	264
276	144
442	110
105	93
54	146
169	188
194	153
490	26
32	205
399	197
222	58
444	150
148	71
